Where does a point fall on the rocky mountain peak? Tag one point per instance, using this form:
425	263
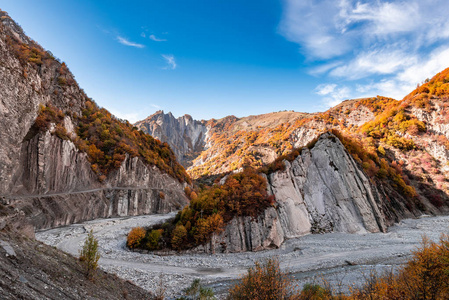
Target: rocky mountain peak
13	28
186	136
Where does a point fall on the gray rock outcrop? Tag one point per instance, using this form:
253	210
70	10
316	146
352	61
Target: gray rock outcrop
56	186
186	136
322	190
47	180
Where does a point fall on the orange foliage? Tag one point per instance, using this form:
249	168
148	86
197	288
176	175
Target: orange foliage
425	276
242	194
179	237
392	122
437	86
264	281
108	140
135	236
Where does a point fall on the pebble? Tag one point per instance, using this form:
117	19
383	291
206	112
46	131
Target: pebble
318	252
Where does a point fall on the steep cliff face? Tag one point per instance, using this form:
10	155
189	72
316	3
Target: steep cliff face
55	186
227	144
187	137
49	164
23	88
47	177
322	190
217	146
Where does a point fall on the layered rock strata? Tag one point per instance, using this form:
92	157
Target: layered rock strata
45	179
55	186
186	136
322	190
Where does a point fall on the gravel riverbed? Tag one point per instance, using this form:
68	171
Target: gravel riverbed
339	258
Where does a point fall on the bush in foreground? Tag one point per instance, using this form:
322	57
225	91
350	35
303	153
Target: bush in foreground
424	277
264	281
89	255
197	292
135	236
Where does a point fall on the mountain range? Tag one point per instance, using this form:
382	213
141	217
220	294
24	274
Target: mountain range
399	150
358	167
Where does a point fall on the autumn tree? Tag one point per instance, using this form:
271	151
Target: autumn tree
179	237
153	238
135	236
89	255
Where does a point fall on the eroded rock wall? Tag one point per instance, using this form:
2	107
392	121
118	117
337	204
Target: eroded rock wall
322	190
55	185
48	180
22	89
186	136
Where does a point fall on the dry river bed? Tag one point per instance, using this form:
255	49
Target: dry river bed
338	258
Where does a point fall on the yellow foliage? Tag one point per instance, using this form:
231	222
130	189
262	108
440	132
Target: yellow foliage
135	236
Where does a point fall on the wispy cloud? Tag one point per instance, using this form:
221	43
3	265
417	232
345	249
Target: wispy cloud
329	28
383	47
126	42
405	80
378	61
154	38
170	60
332	93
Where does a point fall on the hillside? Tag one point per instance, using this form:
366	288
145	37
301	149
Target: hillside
219	146
402	133
33	270
399	155
63	159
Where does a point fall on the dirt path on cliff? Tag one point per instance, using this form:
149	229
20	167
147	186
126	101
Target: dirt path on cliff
76	192
338	257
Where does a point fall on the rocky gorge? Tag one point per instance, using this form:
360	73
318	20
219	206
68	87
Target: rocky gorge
322	190
64	161
46	177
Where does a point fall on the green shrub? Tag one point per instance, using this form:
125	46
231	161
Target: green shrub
89	255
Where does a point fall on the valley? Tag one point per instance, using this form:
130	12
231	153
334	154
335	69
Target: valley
338	257
332	194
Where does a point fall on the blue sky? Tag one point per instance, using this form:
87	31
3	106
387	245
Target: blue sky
212	58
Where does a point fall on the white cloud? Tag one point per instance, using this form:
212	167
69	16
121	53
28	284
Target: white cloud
126	42
154	38
332	93
311	24
401	84
143	34
324	68
330	28
392	45
170	60
385	87
325	89
378	61
381	17
435	62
